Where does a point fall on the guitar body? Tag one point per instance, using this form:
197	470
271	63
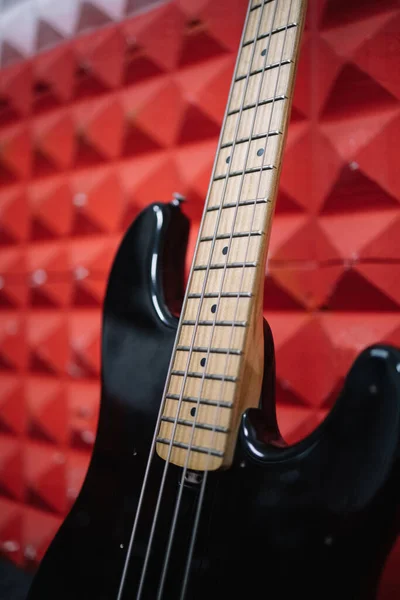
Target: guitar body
316	519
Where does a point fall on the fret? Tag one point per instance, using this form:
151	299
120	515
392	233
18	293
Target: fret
227	236
252	122
264	68
205	376
225	295
267	52
234	219
193	448
271	133
272	82
256	3
204	350
242	203
232	308
204	414
241	265
214	363
248	171
213	390
201	401
254	154
197	424
215	323
200	439
263	36
273	18
234	190
204	335
257	101
238	250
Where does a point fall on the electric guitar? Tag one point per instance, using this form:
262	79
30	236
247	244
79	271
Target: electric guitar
191	492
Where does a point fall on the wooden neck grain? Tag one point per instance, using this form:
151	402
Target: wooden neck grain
217	363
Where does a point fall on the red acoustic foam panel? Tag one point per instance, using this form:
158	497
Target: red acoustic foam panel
15	92
97	128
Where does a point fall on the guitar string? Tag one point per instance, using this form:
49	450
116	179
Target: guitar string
172	437
167	383
205	280
203	486
194	423
227	358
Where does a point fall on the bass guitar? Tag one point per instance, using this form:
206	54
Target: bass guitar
192	492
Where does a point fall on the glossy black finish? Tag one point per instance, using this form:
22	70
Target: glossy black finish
14	581
316	519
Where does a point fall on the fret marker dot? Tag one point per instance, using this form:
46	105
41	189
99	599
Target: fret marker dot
203	362
214	308
225	250
228	160
260	152
193	411
264	52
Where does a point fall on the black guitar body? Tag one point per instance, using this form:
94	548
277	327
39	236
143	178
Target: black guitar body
314	520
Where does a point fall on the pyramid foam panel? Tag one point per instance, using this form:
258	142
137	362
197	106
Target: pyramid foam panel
98	127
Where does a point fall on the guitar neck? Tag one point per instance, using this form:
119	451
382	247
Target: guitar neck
203	397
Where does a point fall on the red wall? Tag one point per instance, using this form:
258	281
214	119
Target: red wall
94	130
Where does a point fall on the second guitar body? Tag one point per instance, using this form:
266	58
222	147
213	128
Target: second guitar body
313	520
